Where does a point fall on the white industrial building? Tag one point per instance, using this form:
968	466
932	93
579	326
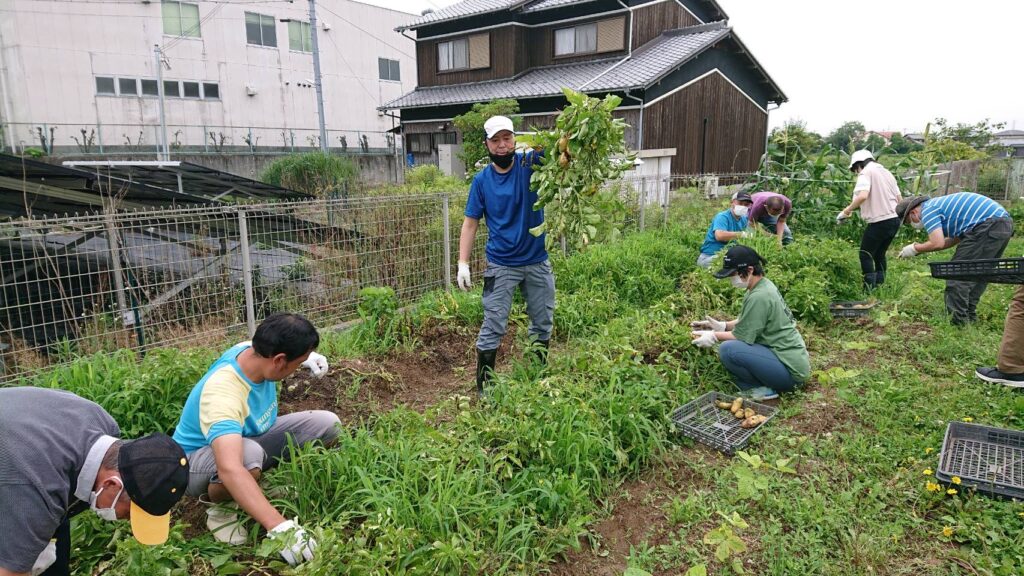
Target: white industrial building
81	75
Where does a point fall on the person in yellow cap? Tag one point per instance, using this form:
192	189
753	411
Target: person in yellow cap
61	454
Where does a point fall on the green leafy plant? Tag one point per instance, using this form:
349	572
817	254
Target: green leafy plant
315	173
471	126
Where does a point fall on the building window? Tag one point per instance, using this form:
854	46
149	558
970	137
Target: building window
211	91
453	55
300	37
260	30
127	87
419	143
104	85
150	88
388	69
181	19
576	40
172	89
190	89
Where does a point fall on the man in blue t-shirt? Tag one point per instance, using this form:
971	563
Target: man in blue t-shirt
726	226
978	226
501	194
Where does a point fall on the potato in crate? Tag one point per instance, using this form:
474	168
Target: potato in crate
721	421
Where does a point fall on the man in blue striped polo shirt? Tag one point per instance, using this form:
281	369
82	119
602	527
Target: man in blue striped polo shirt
977	225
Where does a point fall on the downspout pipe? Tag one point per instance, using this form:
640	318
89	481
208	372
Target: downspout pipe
768	110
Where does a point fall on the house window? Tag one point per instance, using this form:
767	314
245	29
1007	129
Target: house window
388	69
172	89
190	89
300	37
419	143
211	91
260	30
127	87
453	55
576	40
181	19
150	88
104	85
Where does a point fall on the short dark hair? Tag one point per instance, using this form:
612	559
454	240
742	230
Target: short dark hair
775	203
860	165
758	270
110	458
285	333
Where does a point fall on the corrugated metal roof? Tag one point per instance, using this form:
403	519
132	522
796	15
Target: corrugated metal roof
642	69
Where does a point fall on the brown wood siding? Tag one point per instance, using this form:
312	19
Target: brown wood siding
736	128
540	46
649	22
502	60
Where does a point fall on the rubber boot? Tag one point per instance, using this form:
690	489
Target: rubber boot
870	280
484	368
539	351
879	278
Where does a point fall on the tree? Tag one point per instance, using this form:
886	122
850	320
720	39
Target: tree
903	145
842	137
471	126
979	136
873	142
793	139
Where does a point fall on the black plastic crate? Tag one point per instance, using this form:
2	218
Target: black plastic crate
986	459
708	424
851	309
994	270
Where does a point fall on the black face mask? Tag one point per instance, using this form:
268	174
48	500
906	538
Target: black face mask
503	161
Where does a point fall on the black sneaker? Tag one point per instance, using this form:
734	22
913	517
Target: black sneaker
992	374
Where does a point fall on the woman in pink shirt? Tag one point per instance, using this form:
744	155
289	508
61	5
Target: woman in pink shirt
876	193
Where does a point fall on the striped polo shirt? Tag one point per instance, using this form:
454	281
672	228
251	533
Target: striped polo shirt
957	213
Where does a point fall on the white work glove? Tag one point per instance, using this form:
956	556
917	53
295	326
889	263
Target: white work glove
841	217
463	276
746	234
317	364
704	338
709	323
46	559
298	546
908	251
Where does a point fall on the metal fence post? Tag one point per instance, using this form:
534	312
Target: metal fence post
250	306
664	222
643	202
447	243
115	259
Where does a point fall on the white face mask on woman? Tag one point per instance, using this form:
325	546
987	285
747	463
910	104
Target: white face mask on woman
110	513
738	282
740	210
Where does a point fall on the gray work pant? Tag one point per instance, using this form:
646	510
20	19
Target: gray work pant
263	451
537	283
986	239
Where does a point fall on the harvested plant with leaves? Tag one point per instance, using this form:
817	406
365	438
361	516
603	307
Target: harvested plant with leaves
586	148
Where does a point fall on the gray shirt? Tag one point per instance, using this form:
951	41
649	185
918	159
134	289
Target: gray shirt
51	444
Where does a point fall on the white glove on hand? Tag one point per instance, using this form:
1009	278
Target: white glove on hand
298	546
709	323
746	234
841	217
46	559
704	338
463	276
908	251
317	364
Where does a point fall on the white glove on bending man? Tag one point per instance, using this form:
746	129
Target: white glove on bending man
704	338
463	276
317	364
908	251
298	546
709	323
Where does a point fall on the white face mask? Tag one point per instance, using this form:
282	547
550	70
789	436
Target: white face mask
109	514
738	282
740	210
917	225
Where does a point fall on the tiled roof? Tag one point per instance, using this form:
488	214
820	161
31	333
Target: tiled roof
461	10
641	70
546	4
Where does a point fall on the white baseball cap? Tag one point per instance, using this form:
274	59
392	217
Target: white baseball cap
860	156
496	124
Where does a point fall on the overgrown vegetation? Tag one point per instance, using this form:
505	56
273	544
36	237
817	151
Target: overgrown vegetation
471	126
315	173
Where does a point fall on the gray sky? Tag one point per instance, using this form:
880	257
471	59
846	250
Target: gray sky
891	64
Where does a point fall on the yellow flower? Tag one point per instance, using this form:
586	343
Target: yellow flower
968	419
929	450
927	472
932	487
947	531
951	491
955	480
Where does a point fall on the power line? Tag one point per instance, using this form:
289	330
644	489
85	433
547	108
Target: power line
368	33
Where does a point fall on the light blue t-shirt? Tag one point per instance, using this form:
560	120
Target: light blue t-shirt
506	201
225	401
958	213
724	220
